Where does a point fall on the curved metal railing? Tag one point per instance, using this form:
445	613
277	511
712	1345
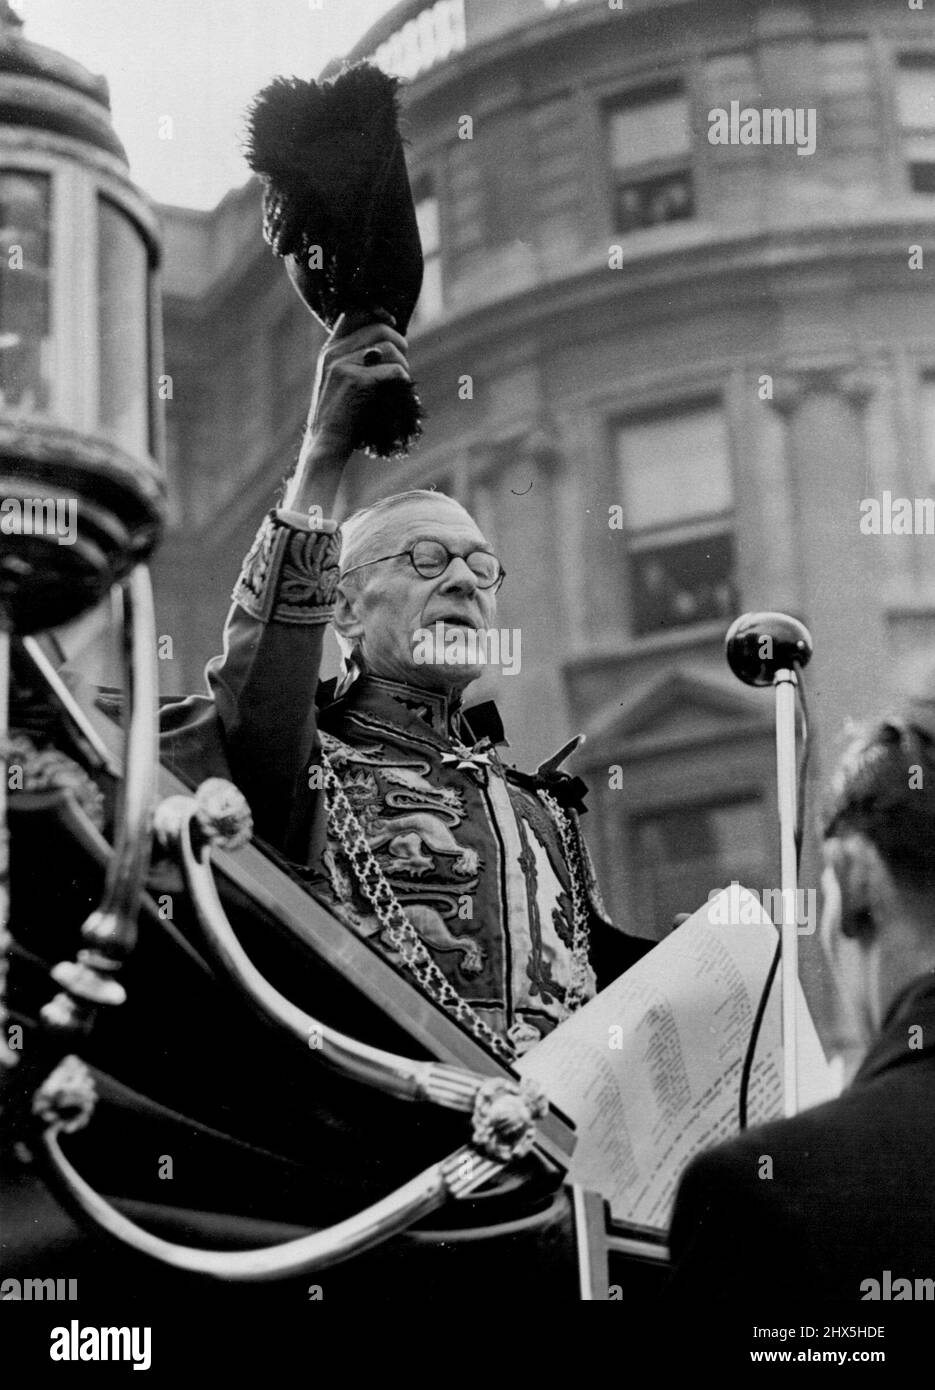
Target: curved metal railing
65	1103
503	1110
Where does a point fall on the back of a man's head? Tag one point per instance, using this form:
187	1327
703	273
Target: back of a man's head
884	790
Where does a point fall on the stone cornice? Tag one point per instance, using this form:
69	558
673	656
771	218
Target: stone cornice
503	46
767	265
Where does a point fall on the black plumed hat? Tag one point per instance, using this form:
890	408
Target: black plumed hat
337	206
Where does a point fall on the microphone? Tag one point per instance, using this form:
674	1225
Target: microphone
771	649
760	644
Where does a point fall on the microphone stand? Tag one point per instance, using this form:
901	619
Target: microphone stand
770	649
785	683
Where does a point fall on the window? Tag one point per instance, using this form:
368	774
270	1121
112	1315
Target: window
25	283
915	106
650	146
674	475
685	852
123	328
428	217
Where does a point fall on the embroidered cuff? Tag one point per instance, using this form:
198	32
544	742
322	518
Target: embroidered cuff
290	574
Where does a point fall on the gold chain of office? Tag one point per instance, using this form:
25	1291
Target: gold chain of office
401	936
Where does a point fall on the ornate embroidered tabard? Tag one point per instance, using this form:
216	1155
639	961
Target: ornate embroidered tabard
478	865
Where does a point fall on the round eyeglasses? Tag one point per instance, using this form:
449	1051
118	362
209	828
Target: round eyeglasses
431	558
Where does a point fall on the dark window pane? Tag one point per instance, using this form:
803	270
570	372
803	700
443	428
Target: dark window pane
922	177
683	582
25	291
648	202
123	329
684	853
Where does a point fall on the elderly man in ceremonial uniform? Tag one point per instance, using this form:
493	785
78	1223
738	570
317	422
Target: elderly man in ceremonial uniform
382	789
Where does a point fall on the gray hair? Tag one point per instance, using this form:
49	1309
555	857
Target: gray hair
357	532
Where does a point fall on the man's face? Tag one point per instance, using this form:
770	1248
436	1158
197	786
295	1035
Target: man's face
391	603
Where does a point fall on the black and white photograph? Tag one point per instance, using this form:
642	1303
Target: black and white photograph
467	678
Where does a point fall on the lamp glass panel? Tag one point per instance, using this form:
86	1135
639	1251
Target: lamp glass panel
25	292
123	329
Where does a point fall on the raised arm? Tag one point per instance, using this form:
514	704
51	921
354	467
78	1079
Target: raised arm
257	726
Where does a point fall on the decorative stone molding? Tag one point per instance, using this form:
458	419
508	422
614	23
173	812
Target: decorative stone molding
542	446
854	382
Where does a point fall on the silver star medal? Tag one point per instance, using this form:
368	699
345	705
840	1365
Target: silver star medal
469	759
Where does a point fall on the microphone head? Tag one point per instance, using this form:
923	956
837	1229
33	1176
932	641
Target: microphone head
760	644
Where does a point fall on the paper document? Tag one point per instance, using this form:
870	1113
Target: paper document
649	1070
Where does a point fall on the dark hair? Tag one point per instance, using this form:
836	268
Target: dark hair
884	789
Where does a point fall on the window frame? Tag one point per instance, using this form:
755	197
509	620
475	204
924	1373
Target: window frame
903	59
676	84
706	766
729	796
699	527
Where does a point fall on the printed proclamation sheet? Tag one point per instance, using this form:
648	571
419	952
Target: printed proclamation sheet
649	1070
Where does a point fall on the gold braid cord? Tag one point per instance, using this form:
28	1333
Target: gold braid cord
398	932
566	823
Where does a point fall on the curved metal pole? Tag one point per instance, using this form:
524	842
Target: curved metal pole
432	1081
453	1177
112	928
109	934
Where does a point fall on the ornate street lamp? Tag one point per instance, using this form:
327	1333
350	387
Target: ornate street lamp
79	342
81	486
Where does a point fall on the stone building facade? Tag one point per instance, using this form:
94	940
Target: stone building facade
663	372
